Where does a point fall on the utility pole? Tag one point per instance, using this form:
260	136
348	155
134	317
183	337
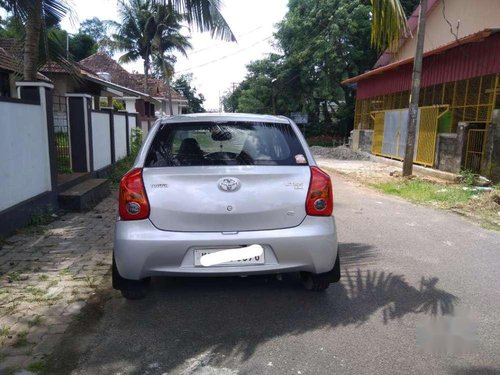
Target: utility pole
415	92
273	94
233	88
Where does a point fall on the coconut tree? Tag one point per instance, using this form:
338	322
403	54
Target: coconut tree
34	14
388	27
136	33
204	15
141	20
168	39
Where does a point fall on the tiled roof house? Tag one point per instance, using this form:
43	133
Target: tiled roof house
102	64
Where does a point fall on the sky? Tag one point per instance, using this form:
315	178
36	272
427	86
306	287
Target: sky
215	65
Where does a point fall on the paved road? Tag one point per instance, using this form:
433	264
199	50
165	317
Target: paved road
420	294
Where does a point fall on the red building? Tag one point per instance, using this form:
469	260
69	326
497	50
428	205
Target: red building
460	78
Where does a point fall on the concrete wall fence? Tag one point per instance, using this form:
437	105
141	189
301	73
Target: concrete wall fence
101	140
27	156
111	137
120	128
132	123
28	159
24	153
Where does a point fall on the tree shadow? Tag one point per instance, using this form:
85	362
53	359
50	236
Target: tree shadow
356	254
183	317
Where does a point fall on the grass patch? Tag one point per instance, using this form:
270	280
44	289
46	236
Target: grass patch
422	191
43	278
37	366
91	282
14	276
35	321
22	340
36	292
124	165
65	272
4	331
119	169
483	207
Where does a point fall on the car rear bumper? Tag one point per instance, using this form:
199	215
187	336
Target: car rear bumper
141	250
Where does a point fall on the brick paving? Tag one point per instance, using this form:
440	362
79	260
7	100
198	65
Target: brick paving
47	274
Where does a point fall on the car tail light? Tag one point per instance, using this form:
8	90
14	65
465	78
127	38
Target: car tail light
133	201
320	195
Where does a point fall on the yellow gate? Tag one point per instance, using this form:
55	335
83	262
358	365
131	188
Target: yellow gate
475	149
378	132
426	137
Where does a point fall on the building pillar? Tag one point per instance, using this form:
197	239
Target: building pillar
127	131
130	103
80	130
489	166
111	132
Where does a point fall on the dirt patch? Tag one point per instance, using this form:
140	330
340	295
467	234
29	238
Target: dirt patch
339	153
485	208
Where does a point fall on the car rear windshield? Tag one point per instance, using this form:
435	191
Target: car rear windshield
228	143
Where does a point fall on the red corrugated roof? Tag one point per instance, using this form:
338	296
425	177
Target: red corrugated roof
473	56
468	39
454	64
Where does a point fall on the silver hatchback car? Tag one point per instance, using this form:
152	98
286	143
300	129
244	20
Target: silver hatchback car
222	195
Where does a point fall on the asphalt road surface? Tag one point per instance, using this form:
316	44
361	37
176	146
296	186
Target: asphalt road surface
420	294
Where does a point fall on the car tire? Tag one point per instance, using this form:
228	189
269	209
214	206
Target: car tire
134	293
130	289
321	281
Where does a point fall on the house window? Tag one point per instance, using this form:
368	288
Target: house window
4	84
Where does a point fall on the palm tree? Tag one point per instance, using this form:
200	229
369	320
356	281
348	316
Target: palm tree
136	33
167	40
33	14
142	19
388	27
204	15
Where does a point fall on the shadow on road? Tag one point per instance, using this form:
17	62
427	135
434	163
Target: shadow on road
182	318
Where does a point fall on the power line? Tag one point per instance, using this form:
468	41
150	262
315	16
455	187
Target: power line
224	57
224	43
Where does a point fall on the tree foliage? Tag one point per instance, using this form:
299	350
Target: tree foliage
81	46
36	16
388	24
100	32
184	85
322	42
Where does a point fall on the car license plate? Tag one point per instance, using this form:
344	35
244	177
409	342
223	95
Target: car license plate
241	262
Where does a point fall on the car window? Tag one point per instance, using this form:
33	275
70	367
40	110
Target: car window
228	143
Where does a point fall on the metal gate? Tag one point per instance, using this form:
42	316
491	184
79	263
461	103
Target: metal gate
62	139
390	131
475	149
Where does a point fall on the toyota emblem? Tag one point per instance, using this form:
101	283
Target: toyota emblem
229	184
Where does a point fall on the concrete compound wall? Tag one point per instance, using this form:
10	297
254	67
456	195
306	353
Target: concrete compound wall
24	153
362	139
132	123
446	156
101	140
491	162
495	160
365	140
120	136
